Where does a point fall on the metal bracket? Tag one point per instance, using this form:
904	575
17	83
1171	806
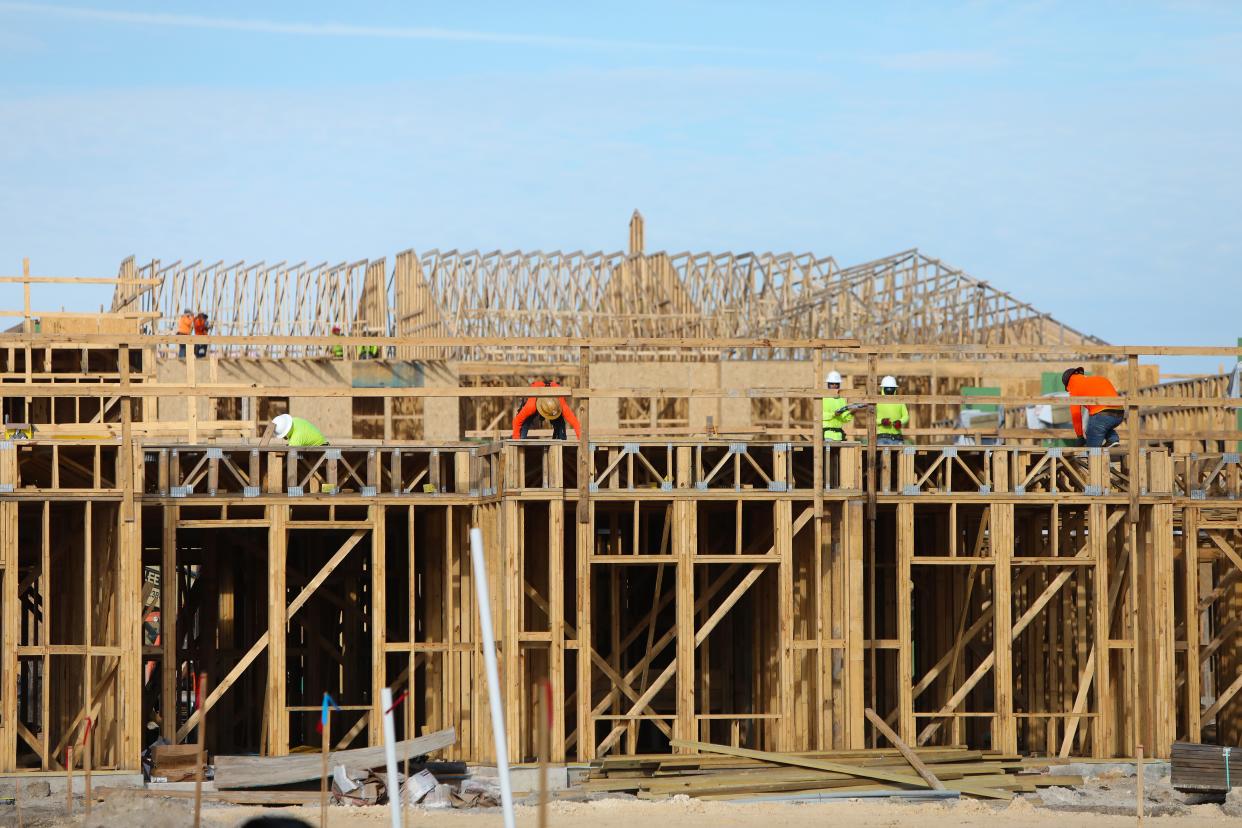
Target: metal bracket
489	492
181	491
369	491
985	489
1198	494
150	457
782	446
1019	489
6	487
949	451
907	449
665	486
778	486
332	454
294	491
910	490
700	485
1093	491
1094	451
629	448
1054	451
737	448
215	454
1231	457
592	487
250	491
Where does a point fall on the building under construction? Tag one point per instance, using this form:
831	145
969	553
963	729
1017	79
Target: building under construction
696	563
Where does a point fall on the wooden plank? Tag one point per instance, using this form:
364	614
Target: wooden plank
820	764
911	757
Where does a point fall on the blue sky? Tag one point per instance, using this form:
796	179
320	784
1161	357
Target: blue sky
1085	157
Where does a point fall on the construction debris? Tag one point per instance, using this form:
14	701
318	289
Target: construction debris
1206	768
719	772
272	771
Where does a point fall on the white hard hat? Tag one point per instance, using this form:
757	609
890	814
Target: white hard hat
888	382
283	423
833	377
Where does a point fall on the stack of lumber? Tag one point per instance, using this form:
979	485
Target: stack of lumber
720	772
174	763
1205	768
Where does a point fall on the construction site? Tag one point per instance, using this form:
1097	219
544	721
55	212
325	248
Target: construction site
696	574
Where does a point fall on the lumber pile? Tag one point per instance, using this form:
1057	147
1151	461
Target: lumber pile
717	772
1205	768
174	763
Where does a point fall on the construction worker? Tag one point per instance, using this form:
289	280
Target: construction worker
201	327
337	351
185	327
554	410
890	418
1102	420
294	430
368	352
836	413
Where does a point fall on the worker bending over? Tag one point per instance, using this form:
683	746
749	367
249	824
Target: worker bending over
890	418
1102	420
293	430
553	409
836	409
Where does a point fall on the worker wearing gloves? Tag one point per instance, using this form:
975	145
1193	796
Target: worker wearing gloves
1102	420
553	409
836	410
293	430
890	418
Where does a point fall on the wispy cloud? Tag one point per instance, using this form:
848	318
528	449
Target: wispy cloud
343	30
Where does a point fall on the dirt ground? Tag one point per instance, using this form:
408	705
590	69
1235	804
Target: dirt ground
682	813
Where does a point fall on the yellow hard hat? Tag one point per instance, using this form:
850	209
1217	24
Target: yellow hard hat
548	407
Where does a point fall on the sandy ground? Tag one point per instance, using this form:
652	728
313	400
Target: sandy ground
150	813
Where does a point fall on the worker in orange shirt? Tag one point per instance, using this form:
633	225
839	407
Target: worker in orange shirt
185	327
1102	420
553	409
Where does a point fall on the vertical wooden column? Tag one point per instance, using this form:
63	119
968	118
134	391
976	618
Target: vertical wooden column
191	402
277	623
130	472
585	537
11	619
510	581
905	624
556	611
1005	732
855	635
169	602
1160	639
782	526
685	534
1103	737
379	622
584	438
1191	619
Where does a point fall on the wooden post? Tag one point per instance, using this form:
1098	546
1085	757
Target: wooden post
1138	783
198	754
69	779
543	715
86	765
584	439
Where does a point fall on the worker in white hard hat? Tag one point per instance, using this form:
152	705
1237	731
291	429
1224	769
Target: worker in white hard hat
836	409
294	430
890	418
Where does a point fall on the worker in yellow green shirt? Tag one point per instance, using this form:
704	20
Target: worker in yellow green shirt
890	418
836	409
295	431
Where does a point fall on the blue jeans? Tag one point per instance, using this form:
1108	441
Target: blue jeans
1102	428
889	440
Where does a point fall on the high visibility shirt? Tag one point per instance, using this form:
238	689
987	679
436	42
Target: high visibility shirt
833	420
896	412
185	324
529	410
368	351
1081	385
200	326
302	433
